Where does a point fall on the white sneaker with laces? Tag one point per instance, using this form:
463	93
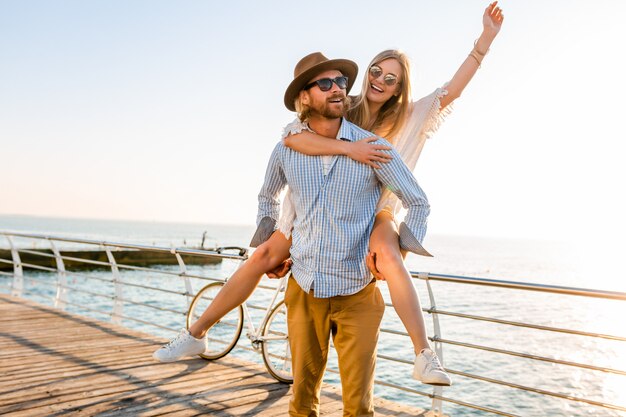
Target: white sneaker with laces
184	344
428	369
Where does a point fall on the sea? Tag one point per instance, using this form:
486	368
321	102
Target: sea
558	389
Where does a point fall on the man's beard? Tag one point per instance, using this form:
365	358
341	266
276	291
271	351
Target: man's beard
329	110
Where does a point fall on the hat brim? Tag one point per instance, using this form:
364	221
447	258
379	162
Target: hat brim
347	68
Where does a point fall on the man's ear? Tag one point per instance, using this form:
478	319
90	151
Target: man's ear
304	97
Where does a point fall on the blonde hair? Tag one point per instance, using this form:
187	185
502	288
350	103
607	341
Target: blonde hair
392	115
303	110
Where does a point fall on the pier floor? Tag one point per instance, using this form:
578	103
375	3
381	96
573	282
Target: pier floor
56	363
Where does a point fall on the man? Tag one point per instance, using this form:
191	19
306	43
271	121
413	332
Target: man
332	292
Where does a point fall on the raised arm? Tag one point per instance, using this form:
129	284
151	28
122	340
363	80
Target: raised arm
363	151
492	22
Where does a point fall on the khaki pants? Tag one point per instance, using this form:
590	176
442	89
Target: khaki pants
354	322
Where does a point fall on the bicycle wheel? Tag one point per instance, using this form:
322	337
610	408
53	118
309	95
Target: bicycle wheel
275	348
224	334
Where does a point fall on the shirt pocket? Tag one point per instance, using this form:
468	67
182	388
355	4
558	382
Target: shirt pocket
303	174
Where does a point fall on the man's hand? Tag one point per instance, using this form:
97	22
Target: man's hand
371	264
281	270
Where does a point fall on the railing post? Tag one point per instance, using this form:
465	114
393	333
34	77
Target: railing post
17	287
437	404
61	298
118	305
183	274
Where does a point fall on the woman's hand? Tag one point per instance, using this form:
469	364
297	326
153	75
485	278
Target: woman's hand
492	23
492	19
366	152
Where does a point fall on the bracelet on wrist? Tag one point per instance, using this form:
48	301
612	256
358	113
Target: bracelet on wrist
477	51
477	58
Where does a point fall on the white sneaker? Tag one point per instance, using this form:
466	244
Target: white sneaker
428	369
182	345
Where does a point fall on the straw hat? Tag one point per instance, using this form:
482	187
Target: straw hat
313	64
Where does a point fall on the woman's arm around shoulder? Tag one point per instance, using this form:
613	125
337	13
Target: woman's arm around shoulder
310	143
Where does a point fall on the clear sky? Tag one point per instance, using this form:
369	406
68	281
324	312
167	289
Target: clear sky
168	111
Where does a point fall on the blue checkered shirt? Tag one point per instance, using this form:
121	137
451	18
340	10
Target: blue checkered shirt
335	213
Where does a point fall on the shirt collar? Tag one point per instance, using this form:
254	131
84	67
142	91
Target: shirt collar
345	131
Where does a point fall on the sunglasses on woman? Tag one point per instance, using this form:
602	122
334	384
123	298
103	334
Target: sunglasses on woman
326	84
389	79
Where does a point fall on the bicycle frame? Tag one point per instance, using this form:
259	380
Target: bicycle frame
254	334
270	338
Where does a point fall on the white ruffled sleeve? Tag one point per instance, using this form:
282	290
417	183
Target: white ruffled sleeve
424	120
294	128
435	116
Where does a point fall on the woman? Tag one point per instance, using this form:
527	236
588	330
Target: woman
383	107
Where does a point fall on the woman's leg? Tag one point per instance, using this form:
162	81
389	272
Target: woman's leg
384	241
243	282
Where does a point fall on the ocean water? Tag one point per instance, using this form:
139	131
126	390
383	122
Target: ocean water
508	259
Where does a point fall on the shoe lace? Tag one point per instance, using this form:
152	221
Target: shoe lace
175	341
434	364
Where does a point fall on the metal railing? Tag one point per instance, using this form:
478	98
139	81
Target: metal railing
119	301
552	289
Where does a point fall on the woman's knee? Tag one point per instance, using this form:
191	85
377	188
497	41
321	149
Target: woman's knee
265	255
388	256
261	254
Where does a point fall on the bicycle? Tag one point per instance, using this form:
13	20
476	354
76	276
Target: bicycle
270	337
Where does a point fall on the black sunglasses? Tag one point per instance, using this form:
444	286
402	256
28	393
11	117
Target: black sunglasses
326	84
389	79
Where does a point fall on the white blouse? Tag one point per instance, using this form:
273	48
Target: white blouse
424	119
